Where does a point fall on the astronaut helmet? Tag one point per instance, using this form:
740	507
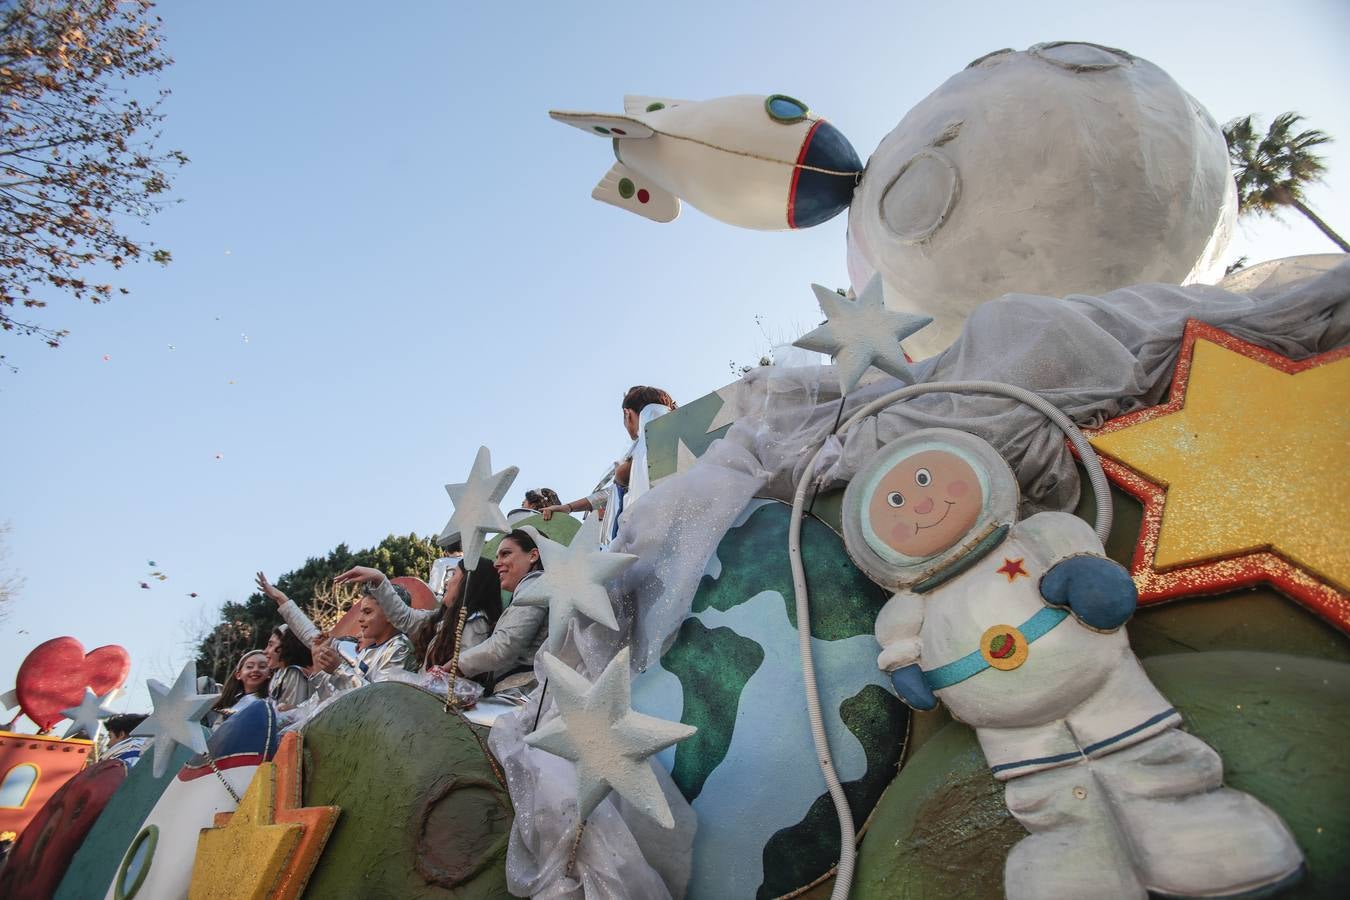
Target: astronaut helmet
922	502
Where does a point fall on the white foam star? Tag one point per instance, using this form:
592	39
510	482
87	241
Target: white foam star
861	333
477	502
574	580
609	741
89	715
177	717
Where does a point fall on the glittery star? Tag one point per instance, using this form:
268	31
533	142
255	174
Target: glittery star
574	580
314	824
89	715
477	502
177	717
1012	568
610	743
861	333
1238	474
244	855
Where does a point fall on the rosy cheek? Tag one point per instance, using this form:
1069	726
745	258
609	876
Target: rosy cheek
901	530
957	489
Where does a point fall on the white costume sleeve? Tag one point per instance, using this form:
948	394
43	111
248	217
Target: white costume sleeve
403	617
298	622
509	643
897	631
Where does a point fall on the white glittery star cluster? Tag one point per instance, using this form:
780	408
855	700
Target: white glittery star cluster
477	502
861	333
574	580
609	741
177	717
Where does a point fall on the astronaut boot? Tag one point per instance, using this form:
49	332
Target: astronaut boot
1075	849
1191	836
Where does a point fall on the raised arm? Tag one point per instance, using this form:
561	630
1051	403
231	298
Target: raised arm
291	613
403	617
897	630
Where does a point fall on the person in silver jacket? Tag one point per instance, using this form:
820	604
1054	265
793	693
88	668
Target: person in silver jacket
288	657
508	654
381	650
432	631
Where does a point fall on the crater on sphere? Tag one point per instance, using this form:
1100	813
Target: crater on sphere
921	196
1079	57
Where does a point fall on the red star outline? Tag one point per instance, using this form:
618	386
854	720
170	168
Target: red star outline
1012	568
1220	575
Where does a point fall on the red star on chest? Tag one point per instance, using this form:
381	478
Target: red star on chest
1012	568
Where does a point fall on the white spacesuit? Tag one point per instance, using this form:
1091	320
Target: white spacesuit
1016	626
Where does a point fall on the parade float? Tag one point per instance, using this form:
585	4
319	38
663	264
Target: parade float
1049	600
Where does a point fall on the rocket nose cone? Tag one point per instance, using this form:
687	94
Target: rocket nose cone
827	171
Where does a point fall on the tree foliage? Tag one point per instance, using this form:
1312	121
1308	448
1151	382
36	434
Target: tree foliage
78	162
246	626
1273	169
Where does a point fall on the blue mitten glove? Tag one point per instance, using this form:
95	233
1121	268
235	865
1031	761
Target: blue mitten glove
913	687
1099	591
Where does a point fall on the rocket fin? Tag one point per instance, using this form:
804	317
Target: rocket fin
636	104
603	125
626	189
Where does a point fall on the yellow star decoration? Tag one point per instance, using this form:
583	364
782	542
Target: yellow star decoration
1253	460
246	857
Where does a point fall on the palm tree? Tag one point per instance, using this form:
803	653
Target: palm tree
1273	169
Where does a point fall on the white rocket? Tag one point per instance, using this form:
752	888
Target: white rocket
750	160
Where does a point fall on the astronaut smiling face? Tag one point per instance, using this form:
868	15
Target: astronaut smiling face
925	503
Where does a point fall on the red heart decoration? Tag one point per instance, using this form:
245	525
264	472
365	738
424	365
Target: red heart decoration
54	675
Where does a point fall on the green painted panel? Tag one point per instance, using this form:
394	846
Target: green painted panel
844	603
92	869
690	424
559	528
792	856
713	666
423	812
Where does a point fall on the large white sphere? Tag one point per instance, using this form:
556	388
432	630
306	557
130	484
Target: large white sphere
1067	168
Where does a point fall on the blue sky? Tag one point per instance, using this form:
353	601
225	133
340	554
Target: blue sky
380	204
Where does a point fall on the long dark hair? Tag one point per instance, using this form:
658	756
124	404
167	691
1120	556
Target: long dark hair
438	643
234	688
293	650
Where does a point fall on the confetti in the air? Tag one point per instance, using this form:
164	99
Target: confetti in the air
152	564
193	595
106	357
144	586
172	347
220	456
245	337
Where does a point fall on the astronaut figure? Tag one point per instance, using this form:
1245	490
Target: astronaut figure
1016	626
